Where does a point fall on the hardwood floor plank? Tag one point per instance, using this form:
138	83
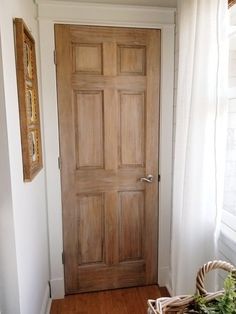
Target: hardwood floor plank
105	299
133	301
120	301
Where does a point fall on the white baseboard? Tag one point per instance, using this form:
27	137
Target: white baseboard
49	306
57	288
169	290
164	279
163	276
46	306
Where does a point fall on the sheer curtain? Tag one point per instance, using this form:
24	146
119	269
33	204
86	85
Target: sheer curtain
199	139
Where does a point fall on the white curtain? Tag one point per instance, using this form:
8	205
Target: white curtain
200	137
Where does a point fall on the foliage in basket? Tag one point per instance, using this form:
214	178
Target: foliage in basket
226	304
219	302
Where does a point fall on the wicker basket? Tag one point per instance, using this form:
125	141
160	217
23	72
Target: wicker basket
180	304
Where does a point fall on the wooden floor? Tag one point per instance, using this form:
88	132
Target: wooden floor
121	301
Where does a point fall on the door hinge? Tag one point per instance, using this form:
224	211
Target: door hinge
55	57
63	258
50	289
159	177
59	163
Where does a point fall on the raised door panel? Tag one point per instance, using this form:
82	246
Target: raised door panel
132	129
131	225
89	125
91	229
131	60
87	58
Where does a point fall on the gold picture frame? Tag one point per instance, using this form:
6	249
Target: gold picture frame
27	84
231	3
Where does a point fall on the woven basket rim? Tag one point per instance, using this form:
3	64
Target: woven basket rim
181	303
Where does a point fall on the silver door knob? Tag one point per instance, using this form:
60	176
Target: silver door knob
148	178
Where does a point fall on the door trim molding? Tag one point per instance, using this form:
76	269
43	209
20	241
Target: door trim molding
105	14
52	12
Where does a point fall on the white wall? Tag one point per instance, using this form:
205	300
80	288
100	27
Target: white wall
9	292
28	199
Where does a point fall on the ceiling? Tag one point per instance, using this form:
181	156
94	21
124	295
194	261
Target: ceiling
160	3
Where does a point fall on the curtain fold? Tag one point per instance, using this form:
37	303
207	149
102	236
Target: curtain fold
201	108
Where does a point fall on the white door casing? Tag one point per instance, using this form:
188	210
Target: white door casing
51	12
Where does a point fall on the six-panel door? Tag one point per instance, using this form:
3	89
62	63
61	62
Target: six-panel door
108	99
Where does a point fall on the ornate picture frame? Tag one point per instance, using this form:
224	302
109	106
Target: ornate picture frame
231	3
27	83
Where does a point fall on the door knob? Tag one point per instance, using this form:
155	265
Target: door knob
148	178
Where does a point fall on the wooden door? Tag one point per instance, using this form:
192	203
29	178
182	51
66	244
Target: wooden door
108	97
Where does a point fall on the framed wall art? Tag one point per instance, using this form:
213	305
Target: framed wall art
231	3
28	100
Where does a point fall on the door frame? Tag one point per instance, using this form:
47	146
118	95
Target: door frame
56	12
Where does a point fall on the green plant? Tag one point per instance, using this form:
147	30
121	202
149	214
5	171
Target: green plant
226	304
